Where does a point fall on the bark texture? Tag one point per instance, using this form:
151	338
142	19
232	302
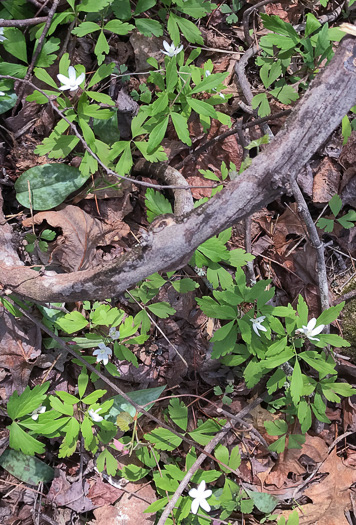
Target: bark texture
320	111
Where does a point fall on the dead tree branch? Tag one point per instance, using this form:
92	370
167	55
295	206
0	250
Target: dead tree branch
319	112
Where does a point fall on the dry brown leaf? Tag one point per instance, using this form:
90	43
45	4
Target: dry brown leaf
330	496
76	248
288	470
326	181
101	493
20	345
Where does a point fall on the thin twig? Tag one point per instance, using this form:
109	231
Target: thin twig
232	131
23	23
159	329
246	19
114	387
40	7
240	68
206	452
182	485
37	52
315	242
90	151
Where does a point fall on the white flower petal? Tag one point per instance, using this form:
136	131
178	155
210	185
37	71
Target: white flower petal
195	506
202	486
311	324
207	493
318	329
62	78
166	46
205	505
80	79
193	493
71	73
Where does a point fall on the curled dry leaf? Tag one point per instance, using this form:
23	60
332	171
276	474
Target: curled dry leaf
326	181
76	248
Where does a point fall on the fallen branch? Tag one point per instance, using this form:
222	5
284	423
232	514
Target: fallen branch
319	112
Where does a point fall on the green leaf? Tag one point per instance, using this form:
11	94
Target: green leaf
121	9
72	322
161	310
107	460
118	27
50	184
178	412
326	224
285	94
180	124
141	397
15	43
149	27
205	432
279	445
209	82
20	440
144	5
48	52
7	102
333	339
125	163
296	441
87	433
93	397
133	472
15	70
102	98
102	47
202	108
185	285
335	204
269	73
163	439
347	220
329	315
171	74
157	134
26	468
62	408
43	75
296	385
156	204
67	397
260	101
85	28
172	28
276	24
104	71
276	428
302	309
190	31
264	502
27	402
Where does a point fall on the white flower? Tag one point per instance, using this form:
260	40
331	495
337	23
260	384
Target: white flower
171	50
221	95
94	415
309	331
256	324
102	353
207	73
2	93
200	495
71	82
39	410
113	333
2	37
